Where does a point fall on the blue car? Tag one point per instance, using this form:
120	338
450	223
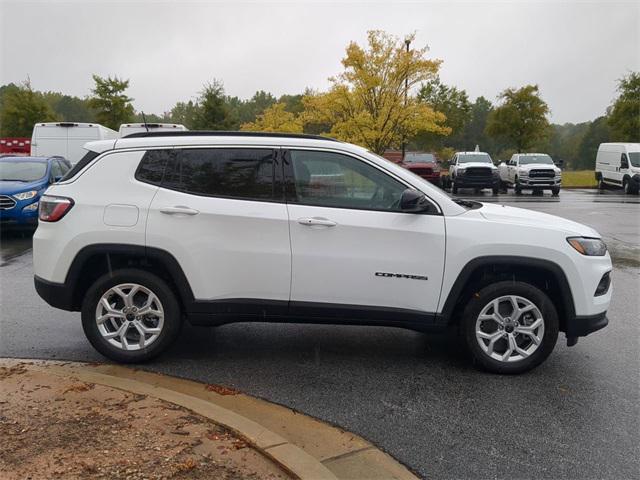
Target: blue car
23	180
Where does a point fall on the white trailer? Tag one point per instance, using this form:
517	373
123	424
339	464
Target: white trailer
67	139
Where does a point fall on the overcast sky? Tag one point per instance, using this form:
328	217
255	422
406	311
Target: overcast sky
574	51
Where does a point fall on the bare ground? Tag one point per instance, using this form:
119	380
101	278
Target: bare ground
54	427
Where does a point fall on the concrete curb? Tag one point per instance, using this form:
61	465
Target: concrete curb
301	445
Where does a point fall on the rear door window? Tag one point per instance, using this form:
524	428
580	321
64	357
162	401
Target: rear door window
244	173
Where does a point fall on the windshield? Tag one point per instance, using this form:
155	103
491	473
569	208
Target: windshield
634	158
22	171
421	158
529	159
476	157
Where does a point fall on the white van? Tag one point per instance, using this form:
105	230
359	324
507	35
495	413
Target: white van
67	139
619	164
129	128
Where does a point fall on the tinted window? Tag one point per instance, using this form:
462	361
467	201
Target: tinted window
634	158
152	166
223	172
84	161
335	180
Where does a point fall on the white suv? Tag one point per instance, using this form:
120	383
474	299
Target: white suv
214	228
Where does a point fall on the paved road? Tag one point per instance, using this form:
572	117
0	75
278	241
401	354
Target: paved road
576	416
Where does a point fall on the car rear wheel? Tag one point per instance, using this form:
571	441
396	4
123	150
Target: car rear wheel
454	188
510	327
130	316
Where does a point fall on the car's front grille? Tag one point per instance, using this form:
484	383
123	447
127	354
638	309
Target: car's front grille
542	174
422	171
478	172
6	203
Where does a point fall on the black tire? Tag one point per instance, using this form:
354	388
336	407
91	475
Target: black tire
517	189
601	184
454	188
172	315
482	298
495	190
504	188
555	191
630	187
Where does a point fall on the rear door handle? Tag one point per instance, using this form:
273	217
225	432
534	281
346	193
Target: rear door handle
312	221
179	210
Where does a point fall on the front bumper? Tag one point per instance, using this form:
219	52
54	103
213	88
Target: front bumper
581	326
23	212
477	182
524	182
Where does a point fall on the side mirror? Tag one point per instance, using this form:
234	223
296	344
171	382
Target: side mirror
559	163
624	163
413	201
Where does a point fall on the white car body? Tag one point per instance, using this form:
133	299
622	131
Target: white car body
66	139
618	164
520	174
298	258
129	128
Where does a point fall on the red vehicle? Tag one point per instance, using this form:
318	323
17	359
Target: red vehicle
424	165
15	146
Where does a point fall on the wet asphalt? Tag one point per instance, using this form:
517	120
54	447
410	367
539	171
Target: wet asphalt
577	416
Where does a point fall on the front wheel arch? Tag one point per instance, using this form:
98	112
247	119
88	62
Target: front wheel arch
479	272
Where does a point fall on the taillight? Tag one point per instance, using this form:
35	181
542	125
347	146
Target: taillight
53	208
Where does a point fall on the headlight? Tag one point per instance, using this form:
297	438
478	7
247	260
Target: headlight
591	247
522	171
26	195
31	207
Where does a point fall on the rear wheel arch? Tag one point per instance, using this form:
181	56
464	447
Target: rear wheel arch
480	272
93	261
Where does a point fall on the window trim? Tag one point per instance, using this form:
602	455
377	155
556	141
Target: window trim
290	184
277	173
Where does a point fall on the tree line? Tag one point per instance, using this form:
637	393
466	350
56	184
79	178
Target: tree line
385	96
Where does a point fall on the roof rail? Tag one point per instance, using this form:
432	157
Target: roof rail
224	133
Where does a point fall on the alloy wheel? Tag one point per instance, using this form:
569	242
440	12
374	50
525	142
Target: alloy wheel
509	328
129	316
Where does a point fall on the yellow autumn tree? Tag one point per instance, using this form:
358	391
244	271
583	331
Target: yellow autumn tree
371	102
275	119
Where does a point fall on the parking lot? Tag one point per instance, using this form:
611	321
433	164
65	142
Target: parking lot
414	395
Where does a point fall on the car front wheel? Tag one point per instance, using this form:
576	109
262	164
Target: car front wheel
510	327
130	316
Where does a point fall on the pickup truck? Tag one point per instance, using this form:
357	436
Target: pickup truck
531	171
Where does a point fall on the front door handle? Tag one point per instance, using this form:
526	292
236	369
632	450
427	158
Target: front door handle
313	221
179	210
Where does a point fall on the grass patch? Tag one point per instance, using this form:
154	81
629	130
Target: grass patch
579	178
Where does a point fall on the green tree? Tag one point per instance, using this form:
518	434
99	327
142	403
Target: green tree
185	113
597	133
69	108
474	132
454	104
371	102
22	108
624	114
213	112
521	119
112	107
